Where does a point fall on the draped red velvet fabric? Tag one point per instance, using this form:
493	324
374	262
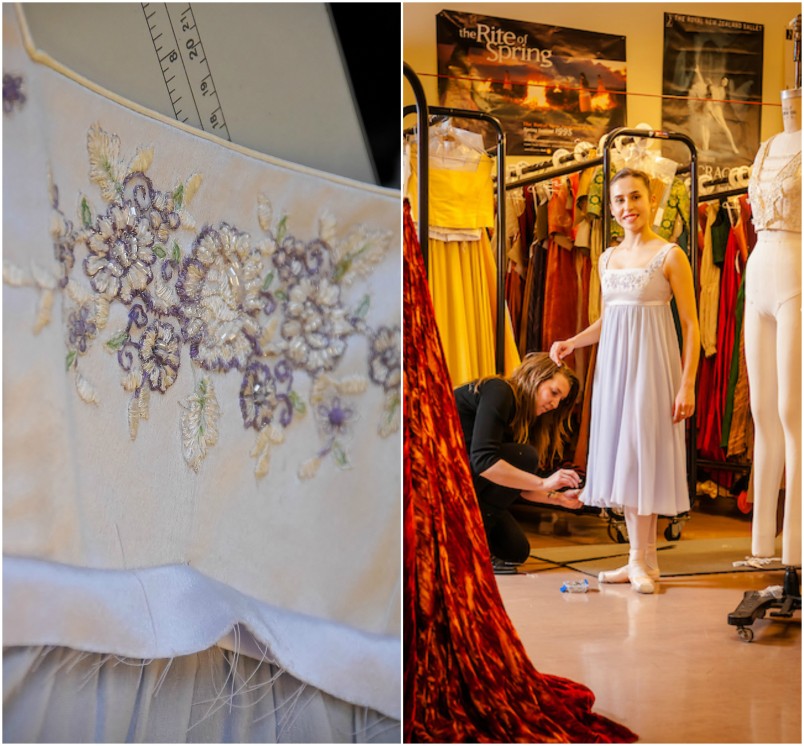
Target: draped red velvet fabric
467	677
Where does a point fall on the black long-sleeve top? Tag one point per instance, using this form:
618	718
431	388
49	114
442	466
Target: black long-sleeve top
486	418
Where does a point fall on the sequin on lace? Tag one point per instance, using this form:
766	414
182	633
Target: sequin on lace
13	95
269	308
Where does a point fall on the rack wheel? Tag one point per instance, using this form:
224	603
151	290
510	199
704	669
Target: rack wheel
561	527
673	531
746	634
616	534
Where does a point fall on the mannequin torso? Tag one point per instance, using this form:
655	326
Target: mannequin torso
775	184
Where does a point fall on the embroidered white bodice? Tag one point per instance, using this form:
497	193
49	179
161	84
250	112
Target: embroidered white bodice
635	285
202	390
774	190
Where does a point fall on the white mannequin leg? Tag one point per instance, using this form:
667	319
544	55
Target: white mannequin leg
789	368
773	358
769	448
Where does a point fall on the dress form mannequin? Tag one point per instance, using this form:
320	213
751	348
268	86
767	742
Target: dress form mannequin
773	334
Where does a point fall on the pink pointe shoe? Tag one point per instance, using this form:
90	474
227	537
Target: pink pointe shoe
627	574
641	580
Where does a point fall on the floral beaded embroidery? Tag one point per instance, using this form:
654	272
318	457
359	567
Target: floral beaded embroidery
627	279
270	309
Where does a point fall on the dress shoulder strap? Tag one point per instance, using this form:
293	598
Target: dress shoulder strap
661	255
603	262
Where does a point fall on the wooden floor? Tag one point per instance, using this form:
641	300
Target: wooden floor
668	665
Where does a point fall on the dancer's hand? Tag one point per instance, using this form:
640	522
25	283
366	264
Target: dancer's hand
560	350
683	406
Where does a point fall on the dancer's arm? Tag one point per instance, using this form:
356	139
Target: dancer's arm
589	336
508	475
679	273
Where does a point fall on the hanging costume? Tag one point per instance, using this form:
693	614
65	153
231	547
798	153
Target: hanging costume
467	676
205	380
738	440
462	268
534	225
560	317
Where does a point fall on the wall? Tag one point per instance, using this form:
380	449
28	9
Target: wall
642	25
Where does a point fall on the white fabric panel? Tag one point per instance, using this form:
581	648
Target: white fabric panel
162	612
248	447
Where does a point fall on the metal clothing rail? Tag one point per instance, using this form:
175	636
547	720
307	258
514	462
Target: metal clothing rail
692	451
736	192
554	173
548	170
499	351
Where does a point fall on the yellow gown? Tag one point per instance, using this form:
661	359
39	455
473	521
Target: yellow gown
462	269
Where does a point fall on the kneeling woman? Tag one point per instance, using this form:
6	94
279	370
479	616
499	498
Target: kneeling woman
514	427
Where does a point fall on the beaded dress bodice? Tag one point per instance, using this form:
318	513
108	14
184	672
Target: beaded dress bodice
775	190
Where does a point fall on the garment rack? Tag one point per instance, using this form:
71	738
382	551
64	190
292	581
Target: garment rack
710	464
423	157
629	135
424	112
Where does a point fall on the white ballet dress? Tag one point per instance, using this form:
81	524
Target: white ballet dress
637	455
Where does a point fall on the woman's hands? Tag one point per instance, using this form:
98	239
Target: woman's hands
549	495
560	479
568	499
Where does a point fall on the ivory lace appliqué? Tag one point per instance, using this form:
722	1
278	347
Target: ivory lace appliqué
630	279
269	308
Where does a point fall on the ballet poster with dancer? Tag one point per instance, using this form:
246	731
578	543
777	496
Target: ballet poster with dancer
712	85
549	86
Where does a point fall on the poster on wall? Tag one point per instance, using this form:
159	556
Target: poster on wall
712	85
549	86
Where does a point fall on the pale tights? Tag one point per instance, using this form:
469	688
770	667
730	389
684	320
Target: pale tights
642	570
773	359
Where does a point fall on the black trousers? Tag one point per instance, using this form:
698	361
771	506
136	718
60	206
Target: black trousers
507	541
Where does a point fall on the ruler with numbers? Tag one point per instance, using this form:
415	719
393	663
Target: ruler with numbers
187	75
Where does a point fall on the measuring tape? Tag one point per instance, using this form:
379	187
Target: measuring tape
185	69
